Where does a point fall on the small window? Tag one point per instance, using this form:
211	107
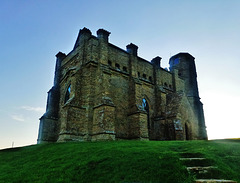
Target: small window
180	72
67	95
144	76
145	104
139	74
170	86
125	69
117	66
150	78
109	63
165	84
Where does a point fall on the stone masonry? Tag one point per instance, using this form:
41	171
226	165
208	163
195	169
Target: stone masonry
102	92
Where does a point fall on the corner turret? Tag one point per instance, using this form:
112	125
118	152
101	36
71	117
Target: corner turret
156	61
185	64
83	35
103	34
48	127
60	56
132	49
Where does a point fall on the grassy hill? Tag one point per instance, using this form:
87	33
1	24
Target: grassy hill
117	161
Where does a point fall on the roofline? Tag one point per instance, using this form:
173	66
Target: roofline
182	54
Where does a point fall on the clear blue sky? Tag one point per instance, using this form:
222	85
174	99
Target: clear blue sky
32	33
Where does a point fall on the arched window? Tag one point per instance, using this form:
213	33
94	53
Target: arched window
117	66
150	78
146	107
139	74
125	69
109	63
144	76
67	95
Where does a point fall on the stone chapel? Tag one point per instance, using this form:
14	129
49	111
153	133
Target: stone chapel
103	92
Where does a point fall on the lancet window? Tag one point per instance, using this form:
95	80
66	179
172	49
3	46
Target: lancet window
67	95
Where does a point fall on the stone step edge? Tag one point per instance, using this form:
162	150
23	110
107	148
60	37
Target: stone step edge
190	159
214	181
201	170
201	167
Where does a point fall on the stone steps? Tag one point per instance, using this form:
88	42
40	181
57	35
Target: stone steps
214	181
202	168
191	159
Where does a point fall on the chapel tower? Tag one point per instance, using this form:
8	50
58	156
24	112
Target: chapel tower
185	64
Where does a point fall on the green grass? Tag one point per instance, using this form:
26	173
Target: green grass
117	161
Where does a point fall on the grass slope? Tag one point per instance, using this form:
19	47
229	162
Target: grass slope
117	161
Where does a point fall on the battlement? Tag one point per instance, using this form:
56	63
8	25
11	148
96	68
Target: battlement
102	34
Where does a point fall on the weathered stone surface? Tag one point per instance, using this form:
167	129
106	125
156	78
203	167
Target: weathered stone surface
102	92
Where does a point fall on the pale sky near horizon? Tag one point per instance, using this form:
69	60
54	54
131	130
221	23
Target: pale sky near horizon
33	32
